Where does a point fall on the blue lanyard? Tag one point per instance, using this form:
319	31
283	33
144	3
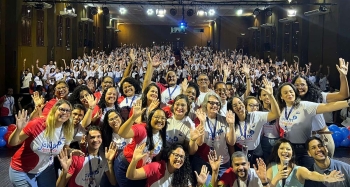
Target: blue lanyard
171	92
290	111
93	173
59	139
131	100
211	131
245	129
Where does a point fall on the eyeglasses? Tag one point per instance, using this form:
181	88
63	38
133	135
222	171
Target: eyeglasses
300	85
60	88
253	105
214	103
63	110
177	156
160	118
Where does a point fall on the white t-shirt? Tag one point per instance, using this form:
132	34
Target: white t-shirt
319	122
299	123
201	96
178	130
128	101
248	132
26	80
121	142
170	93
253	182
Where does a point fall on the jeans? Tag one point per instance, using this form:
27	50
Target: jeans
120	167
266	145
197	163
46	178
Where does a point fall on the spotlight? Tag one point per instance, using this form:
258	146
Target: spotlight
269	12
173	11
122	10
105	11
150	11
93	10
211	12
190	12
291	12
201	12
256	12
239	12
160	12
99	10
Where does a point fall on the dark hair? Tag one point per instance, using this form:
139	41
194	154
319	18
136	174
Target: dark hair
194	86
230	107
274	153
74	98
245	102
107	131
181	96
313	93
217	83
144	98
310	139
149	129
282	103
102	102
79	107
184	173
93	128
133	82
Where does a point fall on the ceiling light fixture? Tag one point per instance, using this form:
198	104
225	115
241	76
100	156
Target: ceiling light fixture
122	10
239	12
201	12
256	12
291	12
211	12
150	11
160	12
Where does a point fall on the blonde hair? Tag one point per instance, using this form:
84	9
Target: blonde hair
68	127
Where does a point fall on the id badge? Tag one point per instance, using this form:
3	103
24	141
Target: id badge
51	160
245	150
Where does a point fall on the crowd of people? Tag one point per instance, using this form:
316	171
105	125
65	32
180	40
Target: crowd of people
146	117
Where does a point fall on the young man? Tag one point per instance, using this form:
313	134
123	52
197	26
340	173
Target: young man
239	175
324	165
87	171
7	108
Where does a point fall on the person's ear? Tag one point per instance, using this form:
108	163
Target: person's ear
308	152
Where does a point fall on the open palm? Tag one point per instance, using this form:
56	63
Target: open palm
65	161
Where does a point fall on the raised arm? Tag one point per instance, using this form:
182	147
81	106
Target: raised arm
201	115
275	110
333	106
92	101
214	162
18	136
344	87
125	130
304	174
65	164
152	64
133	173
248	82
230	135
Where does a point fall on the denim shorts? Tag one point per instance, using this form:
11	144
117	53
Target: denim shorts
46	178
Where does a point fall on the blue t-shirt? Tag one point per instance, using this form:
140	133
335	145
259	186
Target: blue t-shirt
291	180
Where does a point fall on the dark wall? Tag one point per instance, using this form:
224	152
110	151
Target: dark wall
147	34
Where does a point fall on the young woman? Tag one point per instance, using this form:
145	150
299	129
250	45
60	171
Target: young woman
107	102
296	118
248	125
271	130
129	91
181	129
191	90
153	133
44	138
175	170
78	113
283	172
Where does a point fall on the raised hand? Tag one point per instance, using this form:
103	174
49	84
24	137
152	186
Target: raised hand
155	103
138	152
230	117
202	177
201	115
132	55
197	132
268	86
227	71
21	119
184	85
245	69
335	176
214	160
342	67
111	152
38	99
261	169
91	100
137	109
97	115
64	160
156	60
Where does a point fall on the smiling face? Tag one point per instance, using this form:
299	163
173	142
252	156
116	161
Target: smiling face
152	94
61	90
203	81
63	113
238	106
177	158
77	116
285	151
240	167
180	108
264	97
213	105
317	150
94	139
221	91
82	96
252	105
111	96
171	78
114	120
301	85
191	94
158	120
128	89
287	94
106	83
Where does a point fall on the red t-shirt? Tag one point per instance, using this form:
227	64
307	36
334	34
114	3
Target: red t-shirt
228	178
48	106
98	95
34	154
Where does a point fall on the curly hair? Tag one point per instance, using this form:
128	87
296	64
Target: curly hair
274	153
149	141
102	102
313	93
184	174
131	81
74	98
194	86
107	131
